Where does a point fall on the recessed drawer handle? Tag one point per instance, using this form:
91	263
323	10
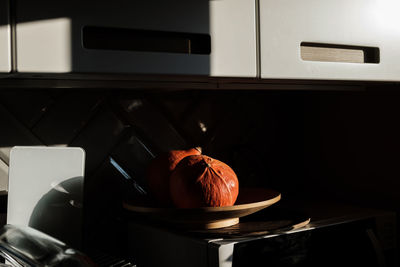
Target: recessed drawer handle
106	38
339	53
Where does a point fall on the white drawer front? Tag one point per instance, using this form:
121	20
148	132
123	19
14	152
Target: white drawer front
50	36
286	24
5	35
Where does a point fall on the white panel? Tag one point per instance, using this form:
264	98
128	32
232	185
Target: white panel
45	190
44	46
5	35
233	35
284	24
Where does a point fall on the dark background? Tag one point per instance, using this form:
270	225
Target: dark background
340	146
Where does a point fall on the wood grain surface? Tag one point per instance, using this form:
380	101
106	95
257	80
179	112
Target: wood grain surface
250	200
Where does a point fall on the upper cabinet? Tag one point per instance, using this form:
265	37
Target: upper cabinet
334	40
5	37
196	37
271	39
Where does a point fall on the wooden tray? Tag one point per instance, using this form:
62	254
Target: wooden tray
250	200
275	220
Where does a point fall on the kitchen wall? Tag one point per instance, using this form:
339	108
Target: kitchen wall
352	146
258	133
340	146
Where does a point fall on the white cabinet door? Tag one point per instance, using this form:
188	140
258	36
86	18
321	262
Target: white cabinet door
5	37
233	38
335	39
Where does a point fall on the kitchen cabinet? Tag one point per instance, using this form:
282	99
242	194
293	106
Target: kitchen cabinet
5	37
353	40
347	40
196	37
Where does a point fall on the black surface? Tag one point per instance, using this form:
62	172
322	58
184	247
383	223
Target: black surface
3	203
343	245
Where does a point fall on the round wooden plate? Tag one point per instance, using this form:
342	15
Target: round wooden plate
250	200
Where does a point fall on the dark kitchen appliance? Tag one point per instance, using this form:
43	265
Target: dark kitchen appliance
314	235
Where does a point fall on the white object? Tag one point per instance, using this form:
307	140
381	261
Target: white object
45	190
55	44
285	24
5	37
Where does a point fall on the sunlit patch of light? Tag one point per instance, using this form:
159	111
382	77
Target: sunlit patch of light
135	104
56	186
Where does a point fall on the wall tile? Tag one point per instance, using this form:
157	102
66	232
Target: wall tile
176	106
152	124
134	156
205	116
66	117
99	137
28	106
13	133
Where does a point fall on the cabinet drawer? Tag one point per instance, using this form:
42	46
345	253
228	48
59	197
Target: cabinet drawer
5	37
122	36
141	37
321	39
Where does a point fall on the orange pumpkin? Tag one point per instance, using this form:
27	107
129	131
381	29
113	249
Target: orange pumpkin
201	181
159	172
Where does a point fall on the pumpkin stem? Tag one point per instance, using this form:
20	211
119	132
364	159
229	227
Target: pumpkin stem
205	161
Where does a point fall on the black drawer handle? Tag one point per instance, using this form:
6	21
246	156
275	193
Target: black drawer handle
105	38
